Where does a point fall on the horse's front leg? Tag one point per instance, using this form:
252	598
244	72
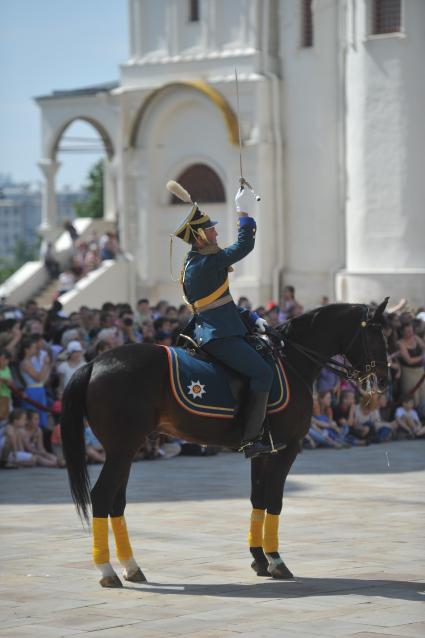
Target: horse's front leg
268	475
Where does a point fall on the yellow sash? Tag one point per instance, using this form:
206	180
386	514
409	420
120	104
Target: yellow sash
205	301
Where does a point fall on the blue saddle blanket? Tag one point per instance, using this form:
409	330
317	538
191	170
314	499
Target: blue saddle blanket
203	387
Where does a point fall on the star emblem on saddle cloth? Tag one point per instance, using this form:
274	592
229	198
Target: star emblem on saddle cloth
196	389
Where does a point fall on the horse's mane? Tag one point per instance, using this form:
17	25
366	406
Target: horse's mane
306	320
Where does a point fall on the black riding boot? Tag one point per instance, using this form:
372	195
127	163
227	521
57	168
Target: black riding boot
253	416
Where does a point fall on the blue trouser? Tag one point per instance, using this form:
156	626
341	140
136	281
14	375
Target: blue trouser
238	355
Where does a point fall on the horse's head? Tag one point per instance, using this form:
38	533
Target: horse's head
367	350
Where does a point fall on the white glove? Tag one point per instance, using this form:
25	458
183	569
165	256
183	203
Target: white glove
242	200
261	325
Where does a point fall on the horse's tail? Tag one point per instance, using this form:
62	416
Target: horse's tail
72	432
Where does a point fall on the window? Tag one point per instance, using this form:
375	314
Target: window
193	10
203	184
386	16
307	24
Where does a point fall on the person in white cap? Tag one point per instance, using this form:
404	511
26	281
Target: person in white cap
66	369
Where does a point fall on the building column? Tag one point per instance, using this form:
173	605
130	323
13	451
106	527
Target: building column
109	190
49	168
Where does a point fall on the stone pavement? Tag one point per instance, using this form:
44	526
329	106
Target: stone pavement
353	534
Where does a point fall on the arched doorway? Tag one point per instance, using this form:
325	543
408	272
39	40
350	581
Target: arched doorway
203	183
76	146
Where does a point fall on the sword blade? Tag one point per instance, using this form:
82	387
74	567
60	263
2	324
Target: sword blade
239	126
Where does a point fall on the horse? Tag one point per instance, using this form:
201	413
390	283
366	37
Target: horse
125	395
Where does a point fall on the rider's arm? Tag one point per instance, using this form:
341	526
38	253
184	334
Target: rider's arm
246	234
242	247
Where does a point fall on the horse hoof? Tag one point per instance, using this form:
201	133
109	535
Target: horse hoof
136	577
260	568
113	582
279	571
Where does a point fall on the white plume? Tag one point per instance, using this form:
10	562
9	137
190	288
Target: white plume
178	190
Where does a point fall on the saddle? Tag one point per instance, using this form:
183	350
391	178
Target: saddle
207	387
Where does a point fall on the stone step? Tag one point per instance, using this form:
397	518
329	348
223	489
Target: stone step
47	294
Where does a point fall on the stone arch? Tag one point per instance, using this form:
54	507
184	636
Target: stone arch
106	139
203	183
205	89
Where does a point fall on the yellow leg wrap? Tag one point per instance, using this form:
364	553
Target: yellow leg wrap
100	540
255	536
122	542
271	536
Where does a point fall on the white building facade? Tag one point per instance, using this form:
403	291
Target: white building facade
331	99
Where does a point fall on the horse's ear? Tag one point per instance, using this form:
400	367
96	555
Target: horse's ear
380	310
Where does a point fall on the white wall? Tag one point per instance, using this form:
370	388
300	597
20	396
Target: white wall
313	233
385	149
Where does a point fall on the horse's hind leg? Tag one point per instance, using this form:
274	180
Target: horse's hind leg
114	472
132	571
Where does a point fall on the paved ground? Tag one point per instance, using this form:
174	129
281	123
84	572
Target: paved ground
353	534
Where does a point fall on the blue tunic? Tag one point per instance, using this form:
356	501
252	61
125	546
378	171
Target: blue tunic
203	274
220	331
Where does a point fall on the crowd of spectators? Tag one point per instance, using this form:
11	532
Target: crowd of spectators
41	349
86	256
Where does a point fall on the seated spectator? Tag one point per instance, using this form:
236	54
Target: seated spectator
366	419
320	428
11	336
5	385
143	312
273	317
112	336
344	411
69	226
94	450
184	315
108	245
244	302
66	282
408	421
91	260
329	381
148	332
172	313
32	440
96	349
129	330
163	324
412	357
50	263
18	455
325	416
66	369
290	307
386	428
160	309
34	374
56	439
163	338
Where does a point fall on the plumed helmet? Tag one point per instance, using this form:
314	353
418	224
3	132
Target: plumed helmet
196	222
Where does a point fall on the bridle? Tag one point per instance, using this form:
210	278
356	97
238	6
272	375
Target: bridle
363	374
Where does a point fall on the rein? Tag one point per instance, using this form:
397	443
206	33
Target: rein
367	379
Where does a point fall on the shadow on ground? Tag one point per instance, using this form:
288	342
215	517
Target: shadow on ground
297	588
222	477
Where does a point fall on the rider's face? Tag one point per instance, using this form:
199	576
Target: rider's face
211	234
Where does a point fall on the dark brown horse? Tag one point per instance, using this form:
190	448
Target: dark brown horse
125	395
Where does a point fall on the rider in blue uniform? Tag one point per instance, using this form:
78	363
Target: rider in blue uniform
219	328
